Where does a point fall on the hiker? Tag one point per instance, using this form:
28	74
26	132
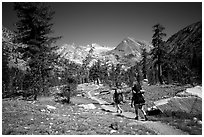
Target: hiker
138	99
118	98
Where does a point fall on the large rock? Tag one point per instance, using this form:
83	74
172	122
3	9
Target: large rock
190	102
195	91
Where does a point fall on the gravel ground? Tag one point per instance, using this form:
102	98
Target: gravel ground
21	117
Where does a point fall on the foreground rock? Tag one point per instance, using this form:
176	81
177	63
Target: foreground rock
189	101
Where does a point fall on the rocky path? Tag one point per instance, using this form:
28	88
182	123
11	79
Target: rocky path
157	127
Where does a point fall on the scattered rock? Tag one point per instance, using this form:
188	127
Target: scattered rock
88	106
153	111
96	93
114	126
199	122
50	107
132	123
113	131
42	110
121	121
164	97
195	119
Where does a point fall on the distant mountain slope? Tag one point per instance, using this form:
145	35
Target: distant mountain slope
77	53
129	51
186	47
191	34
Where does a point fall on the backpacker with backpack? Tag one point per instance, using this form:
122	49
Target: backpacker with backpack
118	97
137	95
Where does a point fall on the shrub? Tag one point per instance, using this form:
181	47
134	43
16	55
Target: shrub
68	90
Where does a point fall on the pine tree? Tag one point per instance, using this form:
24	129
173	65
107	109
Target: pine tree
158	51
33	29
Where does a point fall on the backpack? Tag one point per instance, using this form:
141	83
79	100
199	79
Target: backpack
138	98
118	97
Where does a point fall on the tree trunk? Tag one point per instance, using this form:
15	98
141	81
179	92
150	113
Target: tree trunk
160	74
10	85
169	78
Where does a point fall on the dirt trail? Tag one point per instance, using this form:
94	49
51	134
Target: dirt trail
158	127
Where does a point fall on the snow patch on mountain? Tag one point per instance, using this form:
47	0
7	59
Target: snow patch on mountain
77	53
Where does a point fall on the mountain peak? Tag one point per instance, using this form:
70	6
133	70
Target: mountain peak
130	50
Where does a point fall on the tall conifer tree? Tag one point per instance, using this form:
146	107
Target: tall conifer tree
158	51
33	29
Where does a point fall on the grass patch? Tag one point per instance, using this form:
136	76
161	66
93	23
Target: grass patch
20	117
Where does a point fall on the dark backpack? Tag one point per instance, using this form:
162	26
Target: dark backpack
118	97
138	98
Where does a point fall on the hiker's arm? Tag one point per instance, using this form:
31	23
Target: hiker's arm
113	97
132	101
132	98
123	98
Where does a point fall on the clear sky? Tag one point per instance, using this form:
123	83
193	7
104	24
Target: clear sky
109	23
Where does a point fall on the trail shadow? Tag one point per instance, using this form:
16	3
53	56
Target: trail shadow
107	104
106	110
96	103
122	115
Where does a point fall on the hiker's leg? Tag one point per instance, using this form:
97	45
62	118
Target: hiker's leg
120	108
136	111
117	107
144	113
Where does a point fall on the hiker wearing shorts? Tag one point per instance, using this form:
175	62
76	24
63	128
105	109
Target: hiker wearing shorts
138	99
118	98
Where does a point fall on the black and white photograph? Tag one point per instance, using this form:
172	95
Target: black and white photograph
101	68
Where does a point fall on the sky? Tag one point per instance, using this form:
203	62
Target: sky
107	24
